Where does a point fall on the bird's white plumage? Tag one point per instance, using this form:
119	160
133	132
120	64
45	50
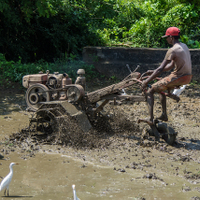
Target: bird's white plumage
74	193
179	91
6	181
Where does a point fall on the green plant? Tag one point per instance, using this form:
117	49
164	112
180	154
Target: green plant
14	71
113	78
193	82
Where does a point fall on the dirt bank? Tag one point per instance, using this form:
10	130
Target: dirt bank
120	143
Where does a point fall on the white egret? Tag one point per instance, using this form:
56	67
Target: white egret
74	193
6	181
179	91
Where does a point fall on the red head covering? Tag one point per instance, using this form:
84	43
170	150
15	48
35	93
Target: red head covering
171	31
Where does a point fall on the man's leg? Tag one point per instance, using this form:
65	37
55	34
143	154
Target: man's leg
162	85
150	103
163	116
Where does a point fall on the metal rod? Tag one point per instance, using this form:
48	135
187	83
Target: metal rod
127	65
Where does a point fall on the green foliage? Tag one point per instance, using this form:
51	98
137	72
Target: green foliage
191	43
51	30
149	21
193	82
113	78
38	29
14	71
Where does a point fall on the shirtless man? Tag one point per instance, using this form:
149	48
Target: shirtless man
177	58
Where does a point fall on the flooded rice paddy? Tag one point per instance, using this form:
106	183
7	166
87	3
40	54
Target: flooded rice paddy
126	164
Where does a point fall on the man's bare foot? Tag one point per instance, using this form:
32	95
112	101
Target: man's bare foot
153	127
163	117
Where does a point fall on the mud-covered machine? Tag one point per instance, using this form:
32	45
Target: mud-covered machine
53	96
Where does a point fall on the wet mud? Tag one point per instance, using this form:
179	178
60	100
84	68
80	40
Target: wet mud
117	159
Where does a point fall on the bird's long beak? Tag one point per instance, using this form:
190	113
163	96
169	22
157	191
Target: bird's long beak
16	163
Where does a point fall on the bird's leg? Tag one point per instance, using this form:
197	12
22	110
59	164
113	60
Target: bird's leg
7	192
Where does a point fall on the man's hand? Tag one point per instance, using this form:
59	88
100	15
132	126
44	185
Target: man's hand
144	84
149	72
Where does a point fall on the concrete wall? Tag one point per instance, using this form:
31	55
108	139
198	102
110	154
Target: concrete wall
111	61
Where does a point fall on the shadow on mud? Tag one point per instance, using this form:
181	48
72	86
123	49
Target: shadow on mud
189	144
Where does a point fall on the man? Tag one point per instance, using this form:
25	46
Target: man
177	58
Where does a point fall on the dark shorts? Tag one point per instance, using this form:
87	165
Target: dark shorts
170	82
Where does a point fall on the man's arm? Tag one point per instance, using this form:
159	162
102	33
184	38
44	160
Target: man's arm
157	72
169	66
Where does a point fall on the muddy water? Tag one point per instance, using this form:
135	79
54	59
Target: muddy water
99	173
12	114
50	176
